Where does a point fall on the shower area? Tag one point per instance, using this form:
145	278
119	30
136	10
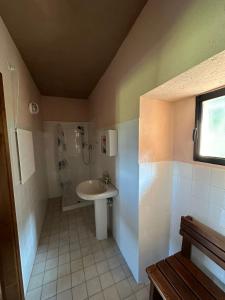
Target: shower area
68	158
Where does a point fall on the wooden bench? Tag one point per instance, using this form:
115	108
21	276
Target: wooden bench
176	277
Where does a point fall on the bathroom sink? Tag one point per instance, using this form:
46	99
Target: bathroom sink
98	191
95	190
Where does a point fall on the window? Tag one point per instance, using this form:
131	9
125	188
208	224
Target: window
209	132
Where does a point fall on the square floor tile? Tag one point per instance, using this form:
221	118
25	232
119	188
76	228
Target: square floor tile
78	277
66	295
106	280
76	254
64	249
90	272
96	247
99	256
124	288
111	293
72	264
38	268
134	285
132	297
34	294
35	281
42	249
110	252
64	270
126	270
64	283
98	296
88	260
53	245
64	258
80	292
86	250
51	263
50	275
40	257
93	286
76	265
48	290
102	267
142	294
118	274
74	246
113	262
53	253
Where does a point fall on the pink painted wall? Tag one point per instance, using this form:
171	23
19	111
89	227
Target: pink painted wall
155	130
64	109
184	122
165	130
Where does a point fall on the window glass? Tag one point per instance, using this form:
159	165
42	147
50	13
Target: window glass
212	136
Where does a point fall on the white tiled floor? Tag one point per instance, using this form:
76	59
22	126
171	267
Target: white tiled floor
72	265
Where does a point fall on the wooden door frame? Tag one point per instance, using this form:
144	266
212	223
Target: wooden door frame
10	266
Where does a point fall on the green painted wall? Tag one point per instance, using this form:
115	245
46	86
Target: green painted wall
168	38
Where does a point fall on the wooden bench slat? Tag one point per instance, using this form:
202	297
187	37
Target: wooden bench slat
214	237
189	279
201	277
205	250
204	241
179	275
161	283
178	284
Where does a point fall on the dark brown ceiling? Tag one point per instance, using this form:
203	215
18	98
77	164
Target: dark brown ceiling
68	44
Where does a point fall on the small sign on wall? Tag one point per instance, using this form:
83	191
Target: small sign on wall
26	154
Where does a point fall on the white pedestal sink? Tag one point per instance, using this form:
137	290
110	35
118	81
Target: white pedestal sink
97	191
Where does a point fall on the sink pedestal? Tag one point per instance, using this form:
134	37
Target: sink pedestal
101	219
97	191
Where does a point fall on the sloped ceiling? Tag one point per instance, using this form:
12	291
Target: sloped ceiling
68	44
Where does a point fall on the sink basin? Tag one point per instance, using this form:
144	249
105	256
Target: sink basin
97	191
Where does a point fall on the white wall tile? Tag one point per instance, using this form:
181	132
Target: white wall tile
77	171
123	170
181	169
218	178
31	200
201	173
217	197
155	191
205	202
126	204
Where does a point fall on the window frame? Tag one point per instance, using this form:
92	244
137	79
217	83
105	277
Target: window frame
197	130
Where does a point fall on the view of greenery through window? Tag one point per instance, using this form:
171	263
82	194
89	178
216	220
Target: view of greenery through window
212	141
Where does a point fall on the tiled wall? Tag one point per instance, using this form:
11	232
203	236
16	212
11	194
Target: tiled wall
76	170
30	198
126	204
169	190
155	187
198	191
54	189
123	170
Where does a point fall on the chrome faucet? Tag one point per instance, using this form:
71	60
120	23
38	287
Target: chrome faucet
106	178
